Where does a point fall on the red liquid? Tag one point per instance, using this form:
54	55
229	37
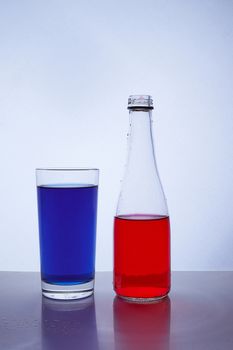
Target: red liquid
142	256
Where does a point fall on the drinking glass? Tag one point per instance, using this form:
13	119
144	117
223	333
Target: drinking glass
67	213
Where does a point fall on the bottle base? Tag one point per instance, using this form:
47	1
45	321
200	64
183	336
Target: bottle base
69	292
142	300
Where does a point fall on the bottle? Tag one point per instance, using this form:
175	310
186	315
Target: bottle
141	224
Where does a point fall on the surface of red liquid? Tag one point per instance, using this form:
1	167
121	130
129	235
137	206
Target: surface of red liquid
142	256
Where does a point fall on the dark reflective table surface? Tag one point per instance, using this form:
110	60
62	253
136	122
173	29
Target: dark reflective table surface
197	315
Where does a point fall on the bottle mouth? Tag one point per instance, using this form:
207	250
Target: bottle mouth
140	102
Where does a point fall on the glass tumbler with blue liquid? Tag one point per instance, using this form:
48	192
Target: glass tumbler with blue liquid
67	212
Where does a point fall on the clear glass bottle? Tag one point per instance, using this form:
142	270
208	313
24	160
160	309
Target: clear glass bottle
141	225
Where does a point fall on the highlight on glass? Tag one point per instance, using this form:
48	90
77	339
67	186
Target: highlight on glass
67	215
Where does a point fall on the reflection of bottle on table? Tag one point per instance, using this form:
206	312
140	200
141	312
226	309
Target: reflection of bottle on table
69	324
141	326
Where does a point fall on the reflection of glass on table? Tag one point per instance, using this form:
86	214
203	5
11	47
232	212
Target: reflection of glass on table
69	324
141	326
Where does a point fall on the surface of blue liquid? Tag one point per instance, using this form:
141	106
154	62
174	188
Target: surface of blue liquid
67	226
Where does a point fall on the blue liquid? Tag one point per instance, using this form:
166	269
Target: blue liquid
67	225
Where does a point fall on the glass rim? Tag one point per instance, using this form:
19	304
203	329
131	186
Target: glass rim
67	169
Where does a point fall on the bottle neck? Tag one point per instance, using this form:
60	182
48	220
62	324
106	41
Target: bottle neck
141	147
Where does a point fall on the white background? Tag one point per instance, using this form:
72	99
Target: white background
66	70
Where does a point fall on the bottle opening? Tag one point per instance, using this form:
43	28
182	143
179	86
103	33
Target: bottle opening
140	101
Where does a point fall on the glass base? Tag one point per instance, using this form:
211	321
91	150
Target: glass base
142	300
69	292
